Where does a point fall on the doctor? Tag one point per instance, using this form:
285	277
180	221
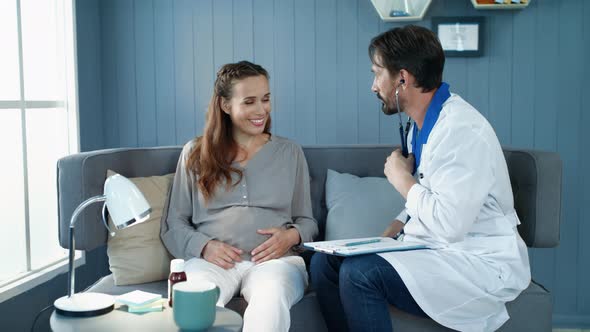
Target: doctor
460	201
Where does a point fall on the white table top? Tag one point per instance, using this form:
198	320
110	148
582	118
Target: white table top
121	320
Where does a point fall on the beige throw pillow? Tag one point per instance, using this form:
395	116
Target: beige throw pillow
136	253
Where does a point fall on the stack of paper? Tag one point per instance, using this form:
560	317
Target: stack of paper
140	301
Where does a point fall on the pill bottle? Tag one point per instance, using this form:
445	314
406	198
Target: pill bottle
177	274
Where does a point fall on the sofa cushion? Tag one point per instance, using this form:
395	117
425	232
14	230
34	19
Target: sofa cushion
136	254
359	206
531	311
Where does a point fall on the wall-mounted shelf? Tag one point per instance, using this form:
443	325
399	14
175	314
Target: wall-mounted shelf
493	5
401	10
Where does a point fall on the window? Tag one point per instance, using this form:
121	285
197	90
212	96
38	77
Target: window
38	125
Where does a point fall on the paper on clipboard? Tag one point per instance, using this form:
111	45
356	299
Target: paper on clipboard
373	245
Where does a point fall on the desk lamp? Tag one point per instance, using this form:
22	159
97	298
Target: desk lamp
127	206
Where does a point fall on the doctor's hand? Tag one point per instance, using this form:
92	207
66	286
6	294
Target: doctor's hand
398	170
393	229
221	254
280	241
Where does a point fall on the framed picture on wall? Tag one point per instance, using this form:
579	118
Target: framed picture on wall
460	36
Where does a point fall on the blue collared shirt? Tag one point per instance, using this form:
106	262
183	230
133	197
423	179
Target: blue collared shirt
420	136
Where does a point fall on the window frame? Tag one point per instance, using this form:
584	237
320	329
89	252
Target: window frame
67	28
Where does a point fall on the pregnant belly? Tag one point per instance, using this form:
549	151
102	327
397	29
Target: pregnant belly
237	226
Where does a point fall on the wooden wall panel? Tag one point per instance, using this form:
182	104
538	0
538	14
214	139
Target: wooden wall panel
242	21
346	72
203	58
284	113
367	103
184	71
109	75
523	75
500	80
89	75
145	75
305	84
164	63
126	82
583	223
326	71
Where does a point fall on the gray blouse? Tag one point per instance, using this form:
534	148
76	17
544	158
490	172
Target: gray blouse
274	192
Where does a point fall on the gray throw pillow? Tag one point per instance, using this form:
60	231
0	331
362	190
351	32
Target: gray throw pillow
359	207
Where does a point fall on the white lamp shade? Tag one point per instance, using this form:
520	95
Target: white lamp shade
126	204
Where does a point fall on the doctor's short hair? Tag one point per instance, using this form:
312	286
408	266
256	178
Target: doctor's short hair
413	48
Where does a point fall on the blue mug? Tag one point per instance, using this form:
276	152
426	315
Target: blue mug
194	304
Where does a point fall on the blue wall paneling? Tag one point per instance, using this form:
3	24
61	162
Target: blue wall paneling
305	95
164	68
243	30
108	72
283	116
125	74
326	71
204	63
145	74
90	96
367	104
184	70
584	180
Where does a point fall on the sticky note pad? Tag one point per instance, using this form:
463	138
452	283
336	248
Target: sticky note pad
137	298
157	305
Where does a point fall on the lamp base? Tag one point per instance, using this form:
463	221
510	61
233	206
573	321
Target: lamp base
84	304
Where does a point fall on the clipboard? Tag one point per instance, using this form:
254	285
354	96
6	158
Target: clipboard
362	246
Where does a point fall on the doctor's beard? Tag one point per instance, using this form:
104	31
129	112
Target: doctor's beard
384	108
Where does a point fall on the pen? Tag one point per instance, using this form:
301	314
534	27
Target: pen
358	243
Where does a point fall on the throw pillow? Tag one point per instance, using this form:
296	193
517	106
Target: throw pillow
359	207
136	253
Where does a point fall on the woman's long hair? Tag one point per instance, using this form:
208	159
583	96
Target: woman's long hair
211	159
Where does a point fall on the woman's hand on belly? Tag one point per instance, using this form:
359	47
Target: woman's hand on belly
280	241
221	254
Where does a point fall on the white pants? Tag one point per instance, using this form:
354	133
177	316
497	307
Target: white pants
270	288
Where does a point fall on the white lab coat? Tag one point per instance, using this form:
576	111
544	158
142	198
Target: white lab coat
464	204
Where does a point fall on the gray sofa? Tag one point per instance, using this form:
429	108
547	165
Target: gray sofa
536	182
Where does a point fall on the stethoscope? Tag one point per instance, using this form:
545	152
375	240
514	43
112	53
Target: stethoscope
404	139
403	134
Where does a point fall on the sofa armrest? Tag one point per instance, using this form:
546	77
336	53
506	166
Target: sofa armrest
536	184
81	176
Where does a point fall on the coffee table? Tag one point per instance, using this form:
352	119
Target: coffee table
121	320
